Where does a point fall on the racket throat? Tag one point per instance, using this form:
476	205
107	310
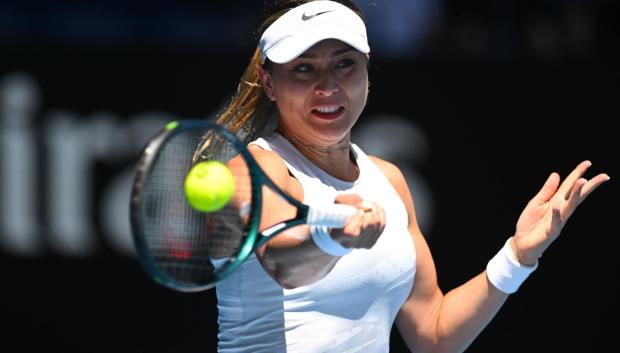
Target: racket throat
271	231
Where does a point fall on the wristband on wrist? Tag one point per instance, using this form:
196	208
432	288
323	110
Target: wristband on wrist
515	253
505	272
324	241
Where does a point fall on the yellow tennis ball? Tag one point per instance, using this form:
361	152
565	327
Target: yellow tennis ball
209	186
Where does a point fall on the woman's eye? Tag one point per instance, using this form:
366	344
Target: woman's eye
345	63
303	68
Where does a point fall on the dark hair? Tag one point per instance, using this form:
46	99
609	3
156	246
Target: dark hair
249	110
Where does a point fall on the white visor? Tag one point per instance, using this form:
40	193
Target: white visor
305	25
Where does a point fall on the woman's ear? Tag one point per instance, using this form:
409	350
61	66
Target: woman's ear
265	79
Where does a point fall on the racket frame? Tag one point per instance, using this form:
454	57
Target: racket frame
253	238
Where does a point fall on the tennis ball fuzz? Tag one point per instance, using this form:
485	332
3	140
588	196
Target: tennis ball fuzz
209	186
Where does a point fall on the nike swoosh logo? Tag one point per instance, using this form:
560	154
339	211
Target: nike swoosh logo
305	17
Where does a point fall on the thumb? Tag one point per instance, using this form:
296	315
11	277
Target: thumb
349	199
548	189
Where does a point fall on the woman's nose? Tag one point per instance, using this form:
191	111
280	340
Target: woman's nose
327	85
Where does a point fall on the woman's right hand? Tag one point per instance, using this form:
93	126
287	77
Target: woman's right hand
364	228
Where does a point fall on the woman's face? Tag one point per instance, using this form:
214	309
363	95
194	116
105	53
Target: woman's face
320	94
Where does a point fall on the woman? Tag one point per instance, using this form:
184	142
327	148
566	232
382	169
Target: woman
341	290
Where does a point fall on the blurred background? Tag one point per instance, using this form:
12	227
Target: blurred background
476	101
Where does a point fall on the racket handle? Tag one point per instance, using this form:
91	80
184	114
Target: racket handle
333	216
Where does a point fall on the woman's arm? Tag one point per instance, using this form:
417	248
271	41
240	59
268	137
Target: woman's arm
430	321
292	258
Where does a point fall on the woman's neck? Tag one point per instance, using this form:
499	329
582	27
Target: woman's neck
335	159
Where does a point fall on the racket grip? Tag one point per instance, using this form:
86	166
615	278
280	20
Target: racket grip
332	216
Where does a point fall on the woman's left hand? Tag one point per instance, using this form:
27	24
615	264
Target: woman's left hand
544	216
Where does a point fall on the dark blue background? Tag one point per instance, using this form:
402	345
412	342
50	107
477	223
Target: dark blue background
505	92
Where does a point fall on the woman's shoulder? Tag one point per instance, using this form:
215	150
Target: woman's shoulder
394	176
273	165
399	183
389	169
268	160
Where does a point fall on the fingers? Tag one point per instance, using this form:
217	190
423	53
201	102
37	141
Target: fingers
371	215
568	184
592	184
580	191
548	189
574	198
556	220
349	199
568	188
365	227
575	189
373	224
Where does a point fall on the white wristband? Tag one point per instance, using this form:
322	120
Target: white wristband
324	241
505	272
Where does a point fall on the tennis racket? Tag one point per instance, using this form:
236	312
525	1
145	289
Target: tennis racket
189	250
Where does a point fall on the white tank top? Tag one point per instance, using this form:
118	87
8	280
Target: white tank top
352	309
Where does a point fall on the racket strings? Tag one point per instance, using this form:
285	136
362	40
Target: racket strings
183	241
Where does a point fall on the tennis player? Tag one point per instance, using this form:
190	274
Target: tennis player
313	289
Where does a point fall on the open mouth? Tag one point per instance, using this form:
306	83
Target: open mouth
328	112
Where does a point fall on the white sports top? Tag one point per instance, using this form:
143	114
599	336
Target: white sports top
352	309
